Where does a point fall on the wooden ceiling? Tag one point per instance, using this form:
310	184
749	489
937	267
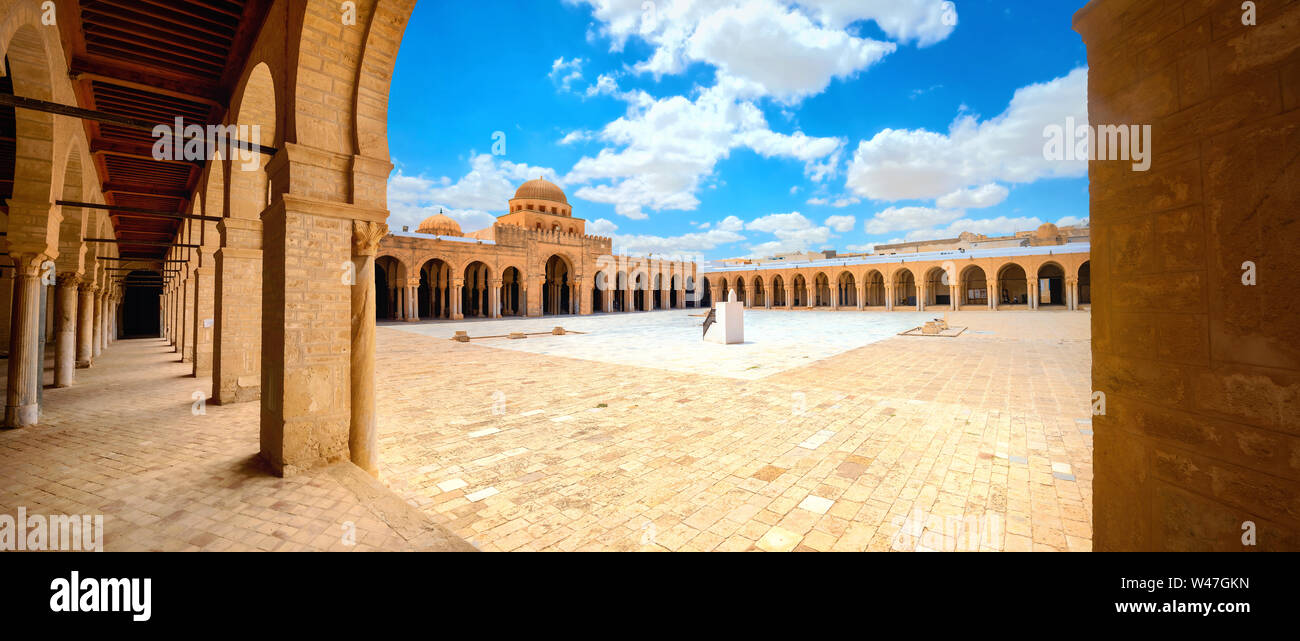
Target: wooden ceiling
153	60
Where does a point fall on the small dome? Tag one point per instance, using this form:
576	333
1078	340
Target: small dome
541	189
439	225
1046	231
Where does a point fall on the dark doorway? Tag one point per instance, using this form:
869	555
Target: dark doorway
140	309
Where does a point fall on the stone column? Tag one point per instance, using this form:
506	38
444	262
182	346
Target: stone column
920	297
187	321
205	288
889	297
1031	288
362	435
607	296
97	338
65	345
237	335
789	298
575	298
411	294
496	298
86	324
953	297
25	364
457	287
50	312
6	303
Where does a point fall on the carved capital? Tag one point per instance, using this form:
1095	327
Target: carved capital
366	236
69	279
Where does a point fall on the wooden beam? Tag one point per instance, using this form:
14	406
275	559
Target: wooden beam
32	104
114	210
141	243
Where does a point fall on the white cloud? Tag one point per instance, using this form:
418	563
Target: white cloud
663	150
842	224
978	198
793	232
487	188
784	49
920	164
922	21
765	49
838	203
905	218
566	73
685	245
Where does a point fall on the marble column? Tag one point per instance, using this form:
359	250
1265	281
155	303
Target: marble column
86	324
97	338
495	309
953	300
457	287
65	345
362	435
789	298
25	364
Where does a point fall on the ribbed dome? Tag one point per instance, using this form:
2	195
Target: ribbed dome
541	189
439	225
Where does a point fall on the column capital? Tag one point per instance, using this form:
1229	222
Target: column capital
366	236
70	279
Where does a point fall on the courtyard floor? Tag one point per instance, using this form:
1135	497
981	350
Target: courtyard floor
825	431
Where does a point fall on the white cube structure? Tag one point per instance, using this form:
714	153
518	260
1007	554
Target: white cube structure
729	328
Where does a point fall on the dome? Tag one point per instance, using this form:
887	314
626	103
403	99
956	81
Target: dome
1046	231
439	225
541	189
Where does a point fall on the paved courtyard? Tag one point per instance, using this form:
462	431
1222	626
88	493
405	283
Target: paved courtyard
637	436
775	341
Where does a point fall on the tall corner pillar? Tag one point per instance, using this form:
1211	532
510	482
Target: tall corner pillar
575	296
237	325
189	293
22	407
363	439
65	344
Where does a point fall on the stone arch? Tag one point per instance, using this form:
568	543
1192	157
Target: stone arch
778	291
476	292
846	290
512	290
759	292
974	287
31	74
1012	284
434	293
1084	277
937	290
905	291
72	229
800	291
822	293
559	274
873	288
248	190
1051	275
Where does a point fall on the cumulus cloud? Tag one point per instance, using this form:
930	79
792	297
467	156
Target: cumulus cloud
977	198
793	231
662	151
565	73
901	164
486	188
905	218
686	245
842	224
783	49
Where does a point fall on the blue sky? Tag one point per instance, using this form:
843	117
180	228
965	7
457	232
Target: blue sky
728	128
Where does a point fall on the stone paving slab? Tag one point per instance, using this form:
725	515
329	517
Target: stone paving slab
775	341
125	443
901	444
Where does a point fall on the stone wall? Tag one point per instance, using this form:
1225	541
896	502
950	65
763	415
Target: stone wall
1200	371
